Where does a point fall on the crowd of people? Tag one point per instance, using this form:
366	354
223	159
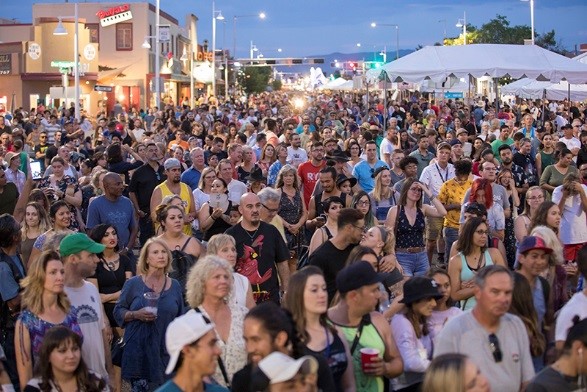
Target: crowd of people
354	244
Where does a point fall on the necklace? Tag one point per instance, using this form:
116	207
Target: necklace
478	262
252	236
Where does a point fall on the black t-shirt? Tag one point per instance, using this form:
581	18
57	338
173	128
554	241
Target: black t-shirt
258	253
549	380
330	260
142	183
8	198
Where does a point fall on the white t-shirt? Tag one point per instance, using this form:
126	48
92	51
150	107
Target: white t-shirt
577	306
573	227
235	190
86	303
296	156
385	148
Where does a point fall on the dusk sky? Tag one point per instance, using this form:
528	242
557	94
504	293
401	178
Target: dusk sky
304	28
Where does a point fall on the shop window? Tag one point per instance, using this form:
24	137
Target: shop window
124	36
94	29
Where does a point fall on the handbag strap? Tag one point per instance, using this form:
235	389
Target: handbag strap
366	319
220	361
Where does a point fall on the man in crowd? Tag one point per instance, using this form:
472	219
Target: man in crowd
142	184
330	257
504	138
569	138
191	176
114	209
328	177
495	340
235	188
388	144
79	256
409	166
309	171
280	372
507	162
358	285
41	149
9	193
527	161
295	154
262	254
397	174
422	154
363	171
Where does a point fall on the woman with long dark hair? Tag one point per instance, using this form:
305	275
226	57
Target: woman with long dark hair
444	309
61	366
473	256
547	214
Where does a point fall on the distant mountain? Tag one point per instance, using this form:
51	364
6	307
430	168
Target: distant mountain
327	68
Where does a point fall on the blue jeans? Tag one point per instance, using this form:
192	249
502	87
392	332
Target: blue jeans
450	236
414	264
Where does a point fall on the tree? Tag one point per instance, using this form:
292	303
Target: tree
255	79
276	85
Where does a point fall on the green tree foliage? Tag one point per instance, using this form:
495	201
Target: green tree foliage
255	79
276	85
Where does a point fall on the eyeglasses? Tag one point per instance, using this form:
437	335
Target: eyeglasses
495	349
482	232
362	203
362	228
271	210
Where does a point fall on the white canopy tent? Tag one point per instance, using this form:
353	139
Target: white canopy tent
332	84
437	63
533	89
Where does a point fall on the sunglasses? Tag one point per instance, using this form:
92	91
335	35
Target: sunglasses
495	348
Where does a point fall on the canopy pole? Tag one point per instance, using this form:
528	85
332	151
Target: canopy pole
385	110
569	91
496	85
543	109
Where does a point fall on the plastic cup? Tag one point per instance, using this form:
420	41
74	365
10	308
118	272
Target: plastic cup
367	356
151	302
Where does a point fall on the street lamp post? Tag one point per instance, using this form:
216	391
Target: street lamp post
531	17
374	24
260	15
252	48
157	59
215	15
60	30
463	23
184	58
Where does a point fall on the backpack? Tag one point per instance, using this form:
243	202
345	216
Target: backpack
181	263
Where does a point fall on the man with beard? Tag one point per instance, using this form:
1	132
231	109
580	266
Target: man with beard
582	154
262	254
114	209
142	184
328	178
331	256
526	161
305	121
295	154
506	157
173	186
495	340
309	171
583	173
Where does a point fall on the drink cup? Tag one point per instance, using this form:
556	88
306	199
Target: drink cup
151	302
367	356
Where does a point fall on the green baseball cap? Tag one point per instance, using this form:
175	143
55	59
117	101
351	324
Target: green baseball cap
77	242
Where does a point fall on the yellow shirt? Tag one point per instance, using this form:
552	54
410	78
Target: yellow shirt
184	194
451	192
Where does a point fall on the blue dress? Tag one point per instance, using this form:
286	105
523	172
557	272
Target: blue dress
145	355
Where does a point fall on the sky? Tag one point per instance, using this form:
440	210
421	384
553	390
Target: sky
311	27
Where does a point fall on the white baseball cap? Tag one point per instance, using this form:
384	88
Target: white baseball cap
182	331
279	367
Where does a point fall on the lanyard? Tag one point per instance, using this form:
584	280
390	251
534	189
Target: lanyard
440	174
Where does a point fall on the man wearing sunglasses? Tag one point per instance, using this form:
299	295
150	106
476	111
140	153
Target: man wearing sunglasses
496	341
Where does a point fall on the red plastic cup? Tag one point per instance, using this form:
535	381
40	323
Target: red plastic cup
367	356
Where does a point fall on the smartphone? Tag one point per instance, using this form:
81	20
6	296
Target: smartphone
36	170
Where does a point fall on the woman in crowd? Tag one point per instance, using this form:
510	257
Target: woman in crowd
482	193
224	246
246	167
406	221
179	154
60	216
445	309
454	373
202	192
473	255
345	184
506	179
332	207
147	304
209	287
382	196
58	186
213	219
553	175
111	272
276	166
534	198
545	157
61	366
117	162
547	214
522	305
567	372
412	334
354	153
268	156
362	202
307	300
406	141
44	305
292	210
34	224
38	196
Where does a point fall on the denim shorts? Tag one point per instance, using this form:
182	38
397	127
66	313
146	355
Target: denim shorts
413	264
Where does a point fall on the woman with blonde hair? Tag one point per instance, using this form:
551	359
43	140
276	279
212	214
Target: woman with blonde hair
202	192
35	223
148	303
454	373
224	246
534	198
210	284
268	156
382	196
44	305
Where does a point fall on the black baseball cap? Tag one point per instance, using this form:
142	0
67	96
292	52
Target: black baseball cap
355	276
